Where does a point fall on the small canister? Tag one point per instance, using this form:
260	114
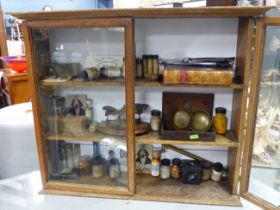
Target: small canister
176	168
155	121
206	170
114	168
220	120
97	167
217	172
165	169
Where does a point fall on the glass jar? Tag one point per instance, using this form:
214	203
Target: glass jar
114	168
84	165
220	120
97	167
176	168
217	172
206	170
165	169
155	121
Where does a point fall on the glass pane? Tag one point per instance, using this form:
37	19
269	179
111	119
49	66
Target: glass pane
265	171
80	78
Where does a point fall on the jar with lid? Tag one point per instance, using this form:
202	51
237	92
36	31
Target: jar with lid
155	166
217	172
176	168
155	121
114	168
220	120
206	170
97	167
165	169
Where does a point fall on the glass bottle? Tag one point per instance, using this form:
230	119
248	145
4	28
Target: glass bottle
220	120
97	167
155	121
217	172
155	166
165	169
206	170
114	168
89	110
176	168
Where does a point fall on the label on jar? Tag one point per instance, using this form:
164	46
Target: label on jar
155	169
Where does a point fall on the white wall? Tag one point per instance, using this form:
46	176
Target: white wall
170	38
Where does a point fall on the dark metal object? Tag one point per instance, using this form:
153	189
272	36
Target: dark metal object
191	172
183	152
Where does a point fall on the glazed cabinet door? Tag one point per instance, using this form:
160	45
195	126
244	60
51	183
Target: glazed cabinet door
260	180
83	102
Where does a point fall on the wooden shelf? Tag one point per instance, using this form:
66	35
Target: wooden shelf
139	83
221	141
103	181
209	192
100	82
90	137
230	11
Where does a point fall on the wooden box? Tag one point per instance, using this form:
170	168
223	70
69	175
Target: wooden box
171	102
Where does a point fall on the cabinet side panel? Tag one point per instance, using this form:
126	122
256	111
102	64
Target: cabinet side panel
35	102
129	86
253	103
239	104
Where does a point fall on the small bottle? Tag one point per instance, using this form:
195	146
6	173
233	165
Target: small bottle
165	169
220	120
155	121
70	162
206	170
97	167
139	71
155	166
114	168
89	110
217	172
176	168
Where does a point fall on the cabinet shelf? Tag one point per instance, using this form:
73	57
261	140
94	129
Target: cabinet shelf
221	141
138	82
89	137
209	192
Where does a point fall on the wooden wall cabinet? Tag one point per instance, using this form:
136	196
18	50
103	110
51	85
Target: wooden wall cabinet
46	34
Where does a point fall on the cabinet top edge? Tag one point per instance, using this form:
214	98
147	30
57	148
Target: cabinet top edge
230	11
